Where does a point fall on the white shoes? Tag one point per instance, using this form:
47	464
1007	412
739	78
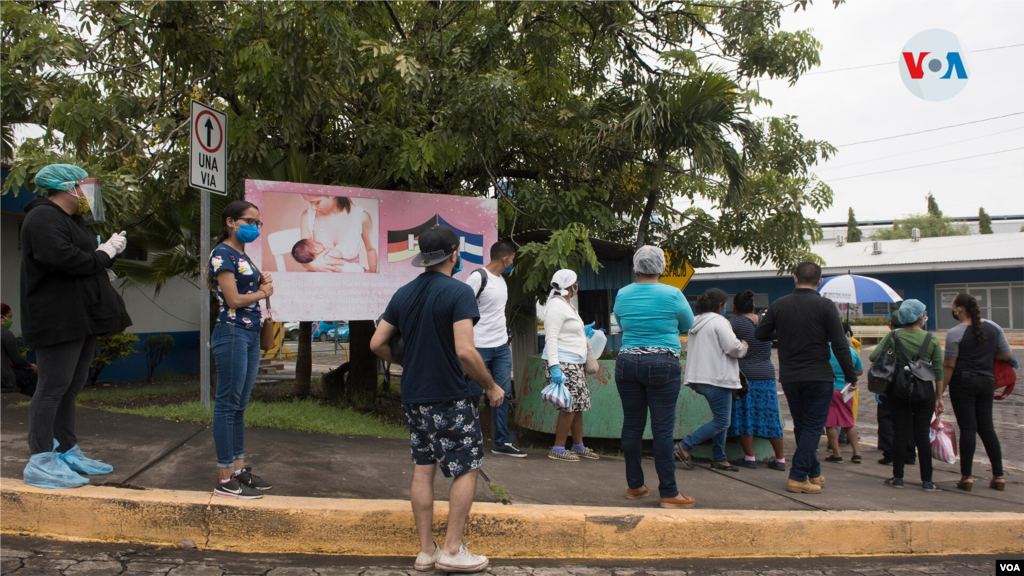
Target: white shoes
462	563
425	562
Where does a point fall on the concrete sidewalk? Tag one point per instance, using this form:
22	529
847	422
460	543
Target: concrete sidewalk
160	454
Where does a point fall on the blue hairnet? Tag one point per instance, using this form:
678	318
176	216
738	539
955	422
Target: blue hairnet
910	311
59	176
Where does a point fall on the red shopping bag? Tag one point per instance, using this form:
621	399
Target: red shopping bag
1006	378
943	439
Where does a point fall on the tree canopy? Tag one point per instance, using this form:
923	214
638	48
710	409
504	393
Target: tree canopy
930	224
853	233
984	221
606	119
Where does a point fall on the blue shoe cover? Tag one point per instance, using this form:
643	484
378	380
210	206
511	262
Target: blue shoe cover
82	464
47	470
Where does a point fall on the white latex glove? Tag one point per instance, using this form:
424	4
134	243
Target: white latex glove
119	241
108	248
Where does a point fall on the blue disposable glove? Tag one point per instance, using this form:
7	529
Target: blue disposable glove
589	330
1013	362
556	375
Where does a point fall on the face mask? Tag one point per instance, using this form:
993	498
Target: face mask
458	266
725	309
247	233
8	322
83	204
509	269
924	321
955	317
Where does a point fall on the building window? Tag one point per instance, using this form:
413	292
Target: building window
1000	302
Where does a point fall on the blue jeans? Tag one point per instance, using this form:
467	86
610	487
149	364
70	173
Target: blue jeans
808	404
237	354
649	382
720	401
499	364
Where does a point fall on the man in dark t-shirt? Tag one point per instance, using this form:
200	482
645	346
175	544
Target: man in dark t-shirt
435	314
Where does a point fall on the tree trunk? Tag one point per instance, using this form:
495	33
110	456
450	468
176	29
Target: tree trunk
304	360
652	199
361	385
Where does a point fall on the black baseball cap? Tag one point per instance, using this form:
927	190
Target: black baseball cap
436	244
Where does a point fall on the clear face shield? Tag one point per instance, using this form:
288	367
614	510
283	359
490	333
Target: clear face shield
91	190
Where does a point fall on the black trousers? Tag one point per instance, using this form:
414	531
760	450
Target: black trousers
63	370
972	396
885	432
911	419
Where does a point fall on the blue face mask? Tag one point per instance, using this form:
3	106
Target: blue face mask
509	269
247	233
458	266
725	310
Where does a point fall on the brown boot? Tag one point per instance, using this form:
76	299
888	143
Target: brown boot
678	501
804	487
819	481
636	494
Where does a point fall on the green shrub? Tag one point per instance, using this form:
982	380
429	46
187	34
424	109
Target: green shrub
156	348
110	349
869	322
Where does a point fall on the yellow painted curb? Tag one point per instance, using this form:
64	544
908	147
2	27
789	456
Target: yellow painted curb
385	527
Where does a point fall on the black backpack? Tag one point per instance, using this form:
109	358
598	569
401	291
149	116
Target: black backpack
483	281
918	377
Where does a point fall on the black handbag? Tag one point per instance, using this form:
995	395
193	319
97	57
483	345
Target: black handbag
917	377
744	388
883	370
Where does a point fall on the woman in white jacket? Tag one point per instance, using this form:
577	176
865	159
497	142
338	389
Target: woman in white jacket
565	351
712	369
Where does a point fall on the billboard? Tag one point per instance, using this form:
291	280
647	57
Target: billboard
339	253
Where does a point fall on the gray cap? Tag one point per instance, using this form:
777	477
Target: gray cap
649	260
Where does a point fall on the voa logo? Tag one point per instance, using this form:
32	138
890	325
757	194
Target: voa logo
934	65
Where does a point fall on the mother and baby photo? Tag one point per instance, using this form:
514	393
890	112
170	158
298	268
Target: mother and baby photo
320	233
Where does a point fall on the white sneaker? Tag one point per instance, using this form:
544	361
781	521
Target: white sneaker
463	562
425	562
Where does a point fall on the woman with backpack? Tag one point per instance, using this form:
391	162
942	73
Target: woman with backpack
912	410
971	349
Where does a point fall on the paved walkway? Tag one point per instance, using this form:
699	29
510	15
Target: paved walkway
150	453
32	556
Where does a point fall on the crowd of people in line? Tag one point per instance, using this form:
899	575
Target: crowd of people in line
452	340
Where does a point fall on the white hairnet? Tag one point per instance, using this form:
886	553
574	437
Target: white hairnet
561	282
649	260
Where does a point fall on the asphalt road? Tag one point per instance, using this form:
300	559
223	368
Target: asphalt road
24	556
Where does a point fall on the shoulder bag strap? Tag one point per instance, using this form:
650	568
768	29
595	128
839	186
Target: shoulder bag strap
483	281
901	347
924	346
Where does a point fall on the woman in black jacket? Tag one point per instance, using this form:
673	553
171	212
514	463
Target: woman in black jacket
67	301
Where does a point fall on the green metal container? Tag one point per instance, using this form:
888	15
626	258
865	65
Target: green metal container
604	419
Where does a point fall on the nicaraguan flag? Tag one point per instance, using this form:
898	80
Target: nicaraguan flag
471	245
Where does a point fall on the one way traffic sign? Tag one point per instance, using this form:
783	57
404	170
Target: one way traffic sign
208	168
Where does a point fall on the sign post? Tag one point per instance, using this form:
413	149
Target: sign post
208	172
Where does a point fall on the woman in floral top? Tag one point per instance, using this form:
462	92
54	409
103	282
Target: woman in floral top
236	344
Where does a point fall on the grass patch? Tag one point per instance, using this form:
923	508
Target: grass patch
135	392
296	414
499	492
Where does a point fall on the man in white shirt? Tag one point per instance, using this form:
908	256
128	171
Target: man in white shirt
491	337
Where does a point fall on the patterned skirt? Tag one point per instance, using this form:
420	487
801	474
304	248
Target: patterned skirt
576	382
757	414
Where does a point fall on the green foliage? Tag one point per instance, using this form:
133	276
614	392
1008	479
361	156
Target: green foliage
984	222
869	322
156	348
110	349
931	225
133	393
302	415
853	233
597	114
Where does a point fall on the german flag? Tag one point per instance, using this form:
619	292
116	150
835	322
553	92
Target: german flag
403	244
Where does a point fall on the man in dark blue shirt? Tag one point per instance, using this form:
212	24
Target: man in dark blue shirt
435	314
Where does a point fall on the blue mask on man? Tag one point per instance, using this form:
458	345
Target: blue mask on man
509	269
725	310
458	266
247	233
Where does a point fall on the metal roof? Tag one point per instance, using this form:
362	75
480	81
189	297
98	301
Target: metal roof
943	253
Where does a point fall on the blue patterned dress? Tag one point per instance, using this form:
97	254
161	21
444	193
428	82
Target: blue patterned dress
757	414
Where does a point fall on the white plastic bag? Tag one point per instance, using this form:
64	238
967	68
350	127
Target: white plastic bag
557	394
943	440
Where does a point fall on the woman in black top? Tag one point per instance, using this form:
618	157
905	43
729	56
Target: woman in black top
971	349
757	413
17	372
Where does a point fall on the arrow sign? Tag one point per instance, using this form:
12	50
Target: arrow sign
208	166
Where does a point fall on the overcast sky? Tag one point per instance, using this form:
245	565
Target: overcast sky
854	105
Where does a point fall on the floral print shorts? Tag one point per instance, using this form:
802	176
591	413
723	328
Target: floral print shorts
446	433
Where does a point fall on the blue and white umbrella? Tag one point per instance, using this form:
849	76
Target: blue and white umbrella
850	289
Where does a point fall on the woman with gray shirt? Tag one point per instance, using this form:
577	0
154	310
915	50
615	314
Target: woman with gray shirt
971	349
